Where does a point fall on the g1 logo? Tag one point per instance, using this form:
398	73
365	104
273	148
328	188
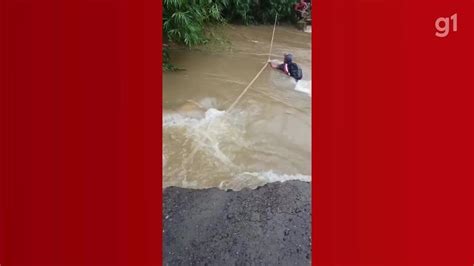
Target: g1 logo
442	25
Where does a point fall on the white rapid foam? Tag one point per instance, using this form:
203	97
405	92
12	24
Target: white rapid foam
179	120
270	176
214	135
304	86
256	179
202	150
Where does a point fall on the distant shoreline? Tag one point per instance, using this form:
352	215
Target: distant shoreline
269	225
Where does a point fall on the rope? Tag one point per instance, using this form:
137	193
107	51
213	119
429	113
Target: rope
259	72
193	152
273	35
248	86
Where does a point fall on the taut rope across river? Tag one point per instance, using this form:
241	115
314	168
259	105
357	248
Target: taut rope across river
191	155
259	72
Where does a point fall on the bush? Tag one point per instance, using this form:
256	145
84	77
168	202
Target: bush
167	66
259	11
241	11
184	20
284	9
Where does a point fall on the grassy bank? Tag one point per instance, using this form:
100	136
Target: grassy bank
193	22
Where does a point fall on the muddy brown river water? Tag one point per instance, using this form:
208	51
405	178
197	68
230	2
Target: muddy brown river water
265	138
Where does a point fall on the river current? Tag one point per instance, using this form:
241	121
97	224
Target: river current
265	138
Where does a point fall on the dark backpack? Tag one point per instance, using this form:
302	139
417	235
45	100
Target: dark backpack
295	71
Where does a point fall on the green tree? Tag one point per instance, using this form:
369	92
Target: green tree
184	21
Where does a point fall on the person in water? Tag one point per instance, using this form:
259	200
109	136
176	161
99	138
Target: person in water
300	8
289	67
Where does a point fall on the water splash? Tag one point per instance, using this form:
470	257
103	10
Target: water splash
304	86
256	179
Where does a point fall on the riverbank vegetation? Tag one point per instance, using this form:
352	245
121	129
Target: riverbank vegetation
185	21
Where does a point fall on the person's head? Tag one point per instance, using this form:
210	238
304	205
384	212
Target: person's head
288	58
302	1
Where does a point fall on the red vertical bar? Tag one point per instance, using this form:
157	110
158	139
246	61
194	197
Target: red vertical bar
393	136
80	112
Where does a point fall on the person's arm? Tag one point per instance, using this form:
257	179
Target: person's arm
283	67
273	63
